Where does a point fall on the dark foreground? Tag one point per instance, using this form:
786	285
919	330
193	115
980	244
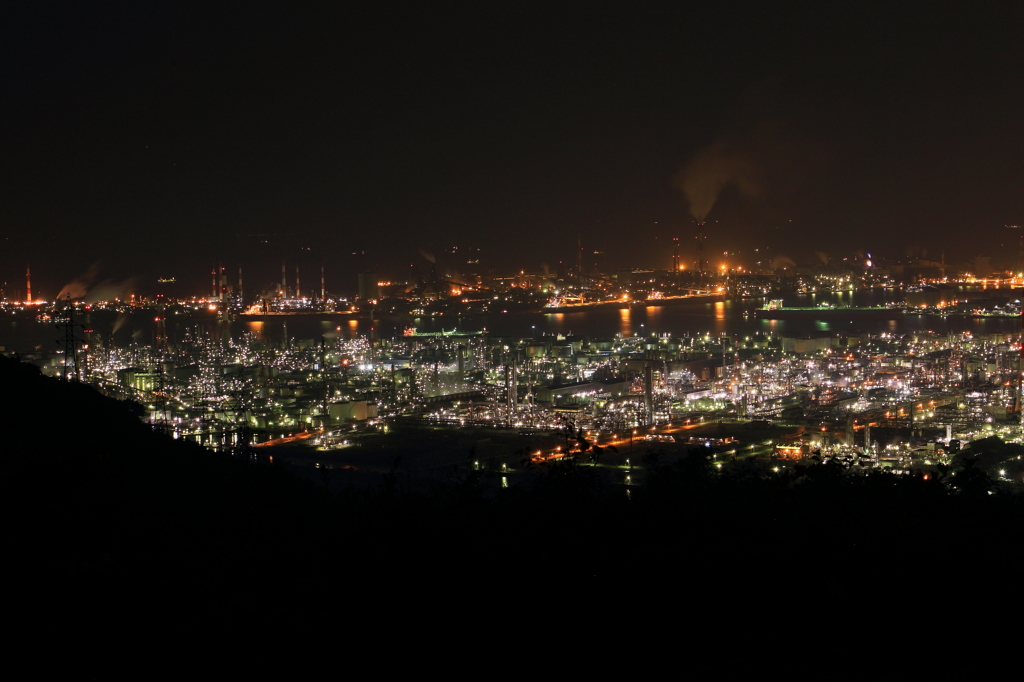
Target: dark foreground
111	522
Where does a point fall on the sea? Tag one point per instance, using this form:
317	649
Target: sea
692	317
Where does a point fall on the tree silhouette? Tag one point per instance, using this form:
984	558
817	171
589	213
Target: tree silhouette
971	480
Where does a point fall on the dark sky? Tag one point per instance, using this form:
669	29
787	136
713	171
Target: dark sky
156	142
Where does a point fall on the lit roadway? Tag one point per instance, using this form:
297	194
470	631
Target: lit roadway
640	432
750	450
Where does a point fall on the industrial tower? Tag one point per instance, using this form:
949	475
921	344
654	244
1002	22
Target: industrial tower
701	261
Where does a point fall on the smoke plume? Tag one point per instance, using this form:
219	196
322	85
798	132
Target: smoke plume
917	251
79	287
108	290
85	287
719	166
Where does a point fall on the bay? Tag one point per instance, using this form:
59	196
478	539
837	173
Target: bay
698	316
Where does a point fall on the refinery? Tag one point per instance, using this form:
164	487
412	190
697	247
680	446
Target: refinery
402	364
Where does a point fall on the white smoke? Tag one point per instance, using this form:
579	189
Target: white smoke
718	166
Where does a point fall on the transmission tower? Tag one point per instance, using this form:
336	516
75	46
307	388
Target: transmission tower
161	328
67	324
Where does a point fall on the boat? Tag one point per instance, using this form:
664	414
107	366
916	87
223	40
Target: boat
775	310
411	331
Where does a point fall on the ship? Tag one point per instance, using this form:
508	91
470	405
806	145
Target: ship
775	310
411	331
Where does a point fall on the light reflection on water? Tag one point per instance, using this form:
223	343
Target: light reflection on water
695	317
255	328
698	318
625	328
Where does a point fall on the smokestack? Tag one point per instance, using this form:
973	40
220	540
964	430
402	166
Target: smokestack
28	283
700	253
213	280
515	384
1020	367
323	289
223	284
579	255
648	386
298	290
284	281
240	290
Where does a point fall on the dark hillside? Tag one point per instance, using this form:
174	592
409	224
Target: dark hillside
112	518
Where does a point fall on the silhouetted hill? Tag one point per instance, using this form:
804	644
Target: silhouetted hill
112	518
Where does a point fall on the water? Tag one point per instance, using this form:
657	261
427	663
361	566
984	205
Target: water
699	316
696	317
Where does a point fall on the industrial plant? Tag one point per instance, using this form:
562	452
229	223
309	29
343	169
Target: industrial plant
322	380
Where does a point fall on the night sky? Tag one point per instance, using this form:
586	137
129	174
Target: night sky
152	143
